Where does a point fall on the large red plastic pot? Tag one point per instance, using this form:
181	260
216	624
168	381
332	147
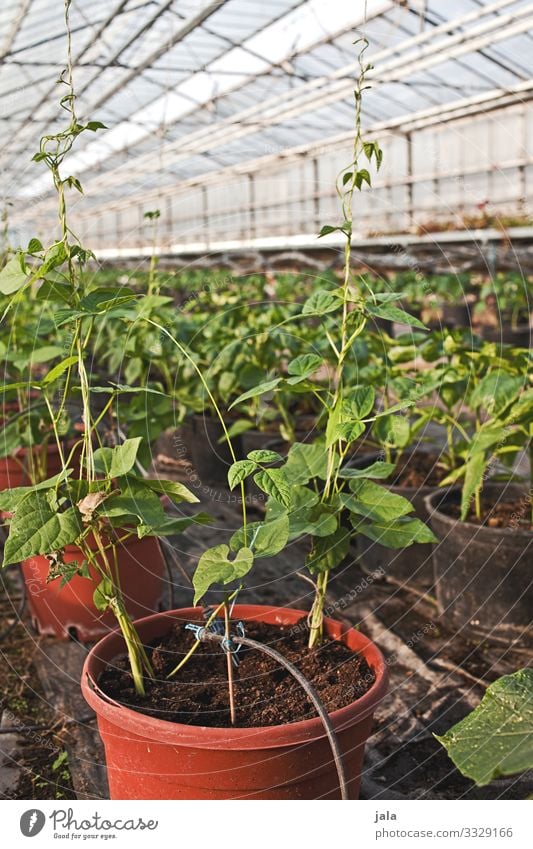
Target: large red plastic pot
151	758
14	470
69	610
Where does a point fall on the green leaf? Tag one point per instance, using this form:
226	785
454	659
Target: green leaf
12	278
328	552
376	502
496	739
123	457
176	491
173	526
11	498
327	229
275	484
392	431
95	125
240	470
215	567
474	471
238	427
304	365
359	401
496	391
260	389
264	538
395	534
58	370
378	471
264	455
34	246
395	314
320	303
103	594
306	461
54	257
38	527
103	299
135	504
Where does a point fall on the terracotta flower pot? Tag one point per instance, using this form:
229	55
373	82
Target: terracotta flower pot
69	610
151	758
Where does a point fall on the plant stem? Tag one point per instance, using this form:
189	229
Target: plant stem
229	662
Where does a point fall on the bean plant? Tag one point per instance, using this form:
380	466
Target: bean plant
98	500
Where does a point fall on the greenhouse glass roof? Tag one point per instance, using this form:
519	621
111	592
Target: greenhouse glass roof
188	88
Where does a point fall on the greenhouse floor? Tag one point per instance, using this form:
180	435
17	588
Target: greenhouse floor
434	680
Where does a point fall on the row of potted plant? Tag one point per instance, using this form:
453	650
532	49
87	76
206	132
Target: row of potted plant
90	523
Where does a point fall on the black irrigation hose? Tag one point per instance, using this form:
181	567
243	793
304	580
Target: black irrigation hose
209	636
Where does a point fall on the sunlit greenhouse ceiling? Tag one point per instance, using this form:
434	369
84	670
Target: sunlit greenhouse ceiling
232	117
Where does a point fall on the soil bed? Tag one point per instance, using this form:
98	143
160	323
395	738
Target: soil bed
265	693
419	469
515	514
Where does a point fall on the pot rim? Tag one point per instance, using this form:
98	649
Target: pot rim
451	522
271	736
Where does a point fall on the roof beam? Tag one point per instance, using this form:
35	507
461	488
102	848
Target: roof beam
468	106
326	90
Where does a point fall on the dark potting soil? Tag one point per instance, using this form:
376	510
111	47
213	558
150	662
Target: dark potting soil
265	693
419	469
514	514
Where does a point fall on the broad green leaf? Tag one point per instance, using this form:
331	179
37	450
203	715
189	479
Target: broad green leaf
305	365
376	502
359	401
395	314
399	533
320	303
238	427
173	526
140	506
328	552
239	471
306	461
40	528
260	389
12	278
264	455
123	457
34	246
11	498
264	538
393	431
496	391
377	471
275	484
496	739
215	567
176	491
54	257
106	298
347	431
